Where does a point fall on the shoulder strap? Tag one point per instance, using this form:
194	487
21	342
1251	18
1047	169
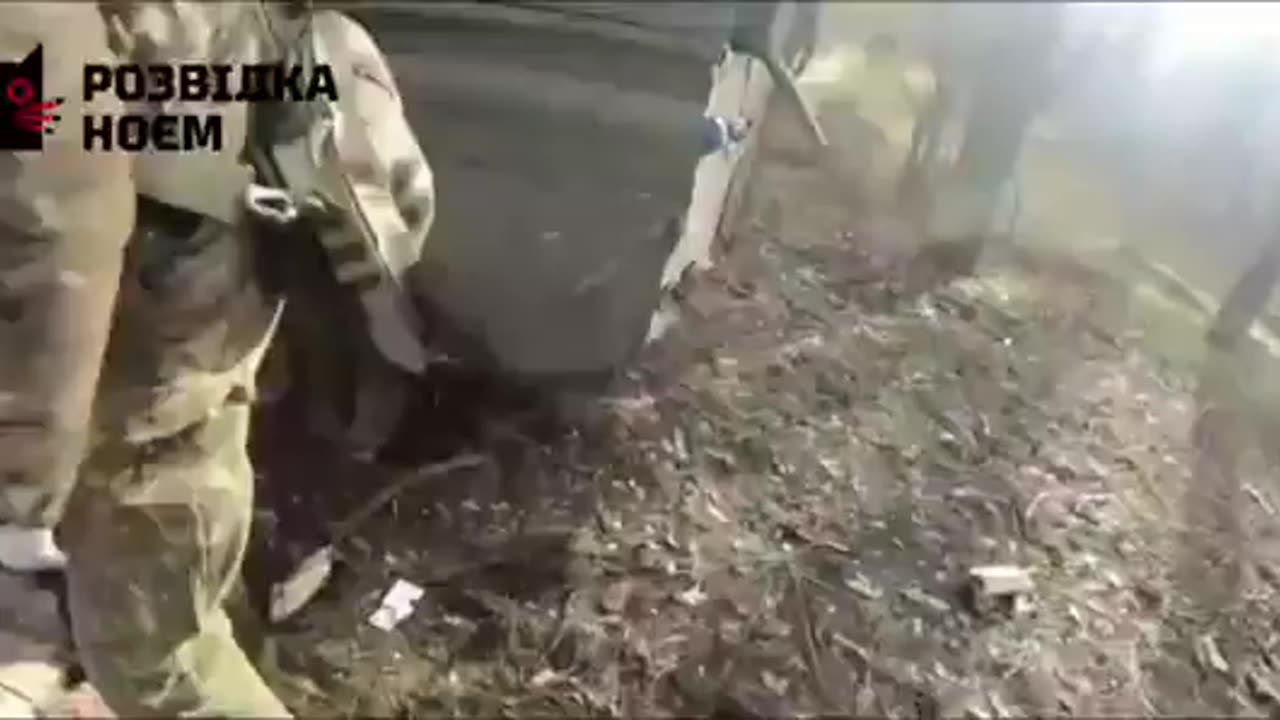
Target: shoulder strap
315	158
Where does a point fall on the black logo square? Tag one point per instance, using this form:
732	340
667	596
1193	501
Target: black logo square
25	116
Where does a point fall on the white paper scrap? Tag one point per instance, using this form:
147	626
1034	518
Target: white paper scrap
396	605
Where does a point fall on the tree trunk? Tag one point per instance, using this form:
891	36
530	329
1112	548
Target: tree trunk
926	146
1013	77
1246	300
923	157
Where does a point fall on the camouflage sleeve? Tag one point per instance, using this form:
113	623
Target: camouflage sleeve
65	215
380	112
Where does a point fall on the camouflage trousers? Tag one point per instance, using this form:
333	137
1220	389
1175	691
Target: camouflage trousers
155	536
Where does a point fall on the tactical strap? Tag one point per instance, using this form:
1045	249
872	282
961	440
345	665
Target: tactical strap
313	160
363	187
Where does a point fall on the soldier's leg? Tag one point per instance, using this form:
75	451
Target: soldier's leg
65	215
382	393
155	537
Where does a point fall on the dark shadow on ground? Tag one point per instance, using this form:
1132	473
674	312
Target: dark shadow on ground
308	483
1225	616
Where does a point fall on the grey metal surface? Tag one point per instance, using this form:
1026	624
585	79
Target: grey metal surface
565	139
564	154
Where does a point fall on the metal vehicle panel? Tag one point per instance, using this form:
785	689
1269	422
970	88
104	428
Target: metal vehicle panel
568	142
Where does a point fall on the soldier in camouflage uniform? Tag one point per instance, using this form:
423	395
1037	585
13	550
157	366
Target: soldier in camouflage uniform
348	390
158	515
64	218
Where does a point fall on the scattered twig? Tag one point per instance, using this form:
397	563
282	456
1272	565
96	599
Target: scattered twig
794	533
1135	672
809	647
352	521
301	585
559	630
1030	510
1020	663
1259	498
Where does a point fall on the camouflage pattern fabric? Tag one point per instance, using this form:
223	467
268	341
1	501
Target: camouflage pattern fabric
190	308
156	525
379	154
156	535
65	216
351	391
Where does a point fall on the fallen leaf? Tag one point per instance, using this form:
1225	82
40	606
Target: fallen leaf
544	677
614	598
863	586
920	597
715	512
1262	688
692	597
776	685
291	594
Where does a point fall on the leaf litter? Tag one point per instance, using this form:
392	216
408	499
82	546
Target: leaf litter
780	511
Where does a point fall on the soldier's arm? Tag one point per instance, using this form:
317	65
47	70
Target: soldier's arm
379	109
65	216
412	183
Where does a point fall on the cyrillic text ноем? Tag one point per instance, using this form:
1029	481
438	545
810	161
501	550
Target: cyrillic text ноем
161	85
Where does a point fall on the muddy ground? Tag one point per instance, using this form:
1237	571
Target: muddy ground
775	511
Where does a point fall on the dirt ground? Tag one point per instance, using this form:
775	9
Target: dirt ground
774	513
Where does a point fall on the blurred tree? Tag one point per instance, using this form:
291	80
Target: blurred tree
1244	88
1246	299
802	38
1247	180
1007	81
924	155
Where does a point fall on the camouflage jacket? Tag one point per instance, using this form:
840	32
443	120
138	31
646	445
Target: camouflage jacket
190	316
358	153
65	216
